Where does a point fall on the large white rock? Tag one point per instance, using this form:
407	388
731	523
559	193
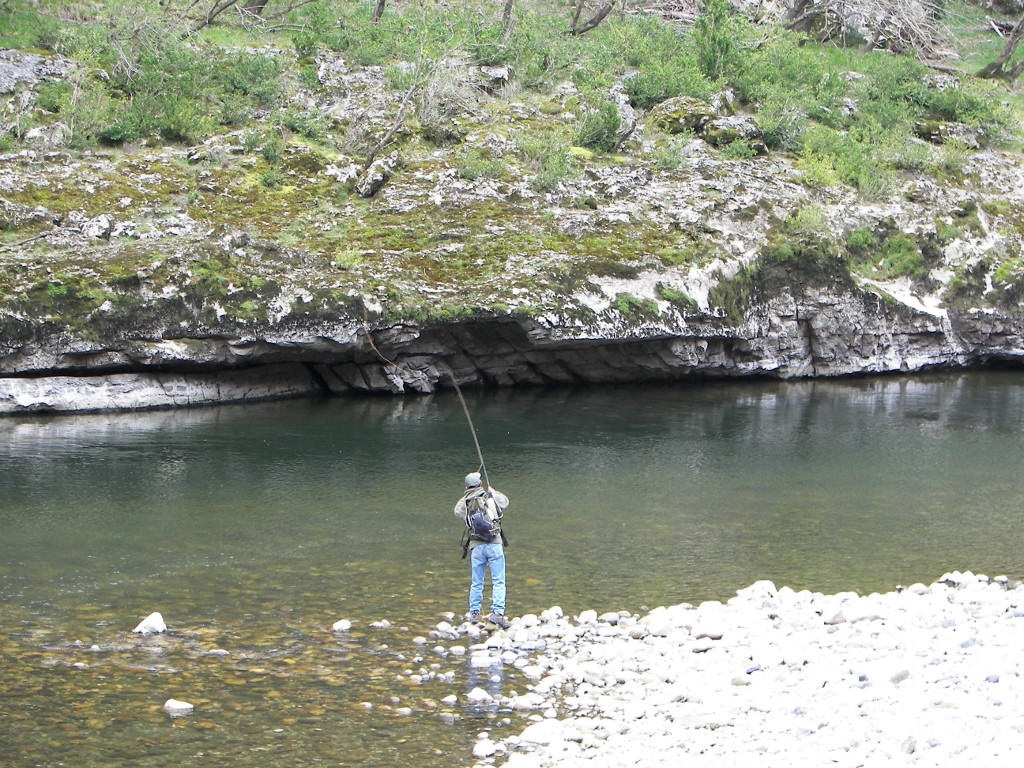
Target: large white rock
154	623
544	732
479	696
484	748
175	707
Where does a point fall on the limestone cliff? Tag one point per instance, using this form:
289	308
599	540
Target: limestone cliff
157	276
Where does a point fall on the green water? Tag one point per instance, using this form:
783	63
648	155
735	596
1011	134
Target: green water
252	529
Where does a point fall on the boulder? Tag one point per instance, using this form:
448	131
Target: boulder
377	175
493	79
99	227
176	708
680	114
479	696
484	748
939	132
721	131
152	624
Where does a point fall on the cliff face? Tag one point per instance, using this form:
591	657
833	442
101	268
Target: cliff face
166	276
818	333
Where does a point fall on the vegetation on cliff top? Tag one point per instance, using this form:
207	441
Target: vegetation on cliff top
483	91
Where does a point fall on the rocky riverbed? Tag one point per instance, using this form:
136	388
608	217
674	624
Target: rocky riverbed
925	675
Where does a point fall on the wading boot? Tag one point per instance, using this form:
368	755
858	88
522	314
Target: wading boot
501	621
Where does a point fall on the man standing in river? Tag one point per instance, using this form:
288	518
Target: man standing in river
486	550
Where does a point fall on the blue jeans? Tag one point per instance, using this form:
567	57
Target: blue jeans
491	556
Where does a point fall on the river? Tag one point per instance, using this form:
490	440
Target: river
252	529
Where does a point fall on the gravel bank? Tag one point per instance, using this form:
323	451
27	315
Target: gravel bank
923	676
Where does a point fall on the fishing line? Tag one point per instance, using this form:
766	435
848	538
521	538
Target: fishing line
458	391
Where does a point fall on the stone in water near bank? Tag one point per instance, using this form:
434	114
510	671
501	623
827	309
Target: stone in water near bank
154	623
176	708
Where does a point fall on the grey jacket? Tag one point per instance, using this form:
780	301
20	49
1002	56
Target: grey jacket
496	504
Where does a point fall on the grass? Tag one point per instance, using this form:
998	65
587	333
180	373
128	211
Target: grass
797	90
182	94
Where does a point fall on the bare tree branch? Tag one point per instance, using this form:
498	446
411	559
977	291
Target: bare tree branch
255	7
1000	69
291	7
215	10
12	246
581	29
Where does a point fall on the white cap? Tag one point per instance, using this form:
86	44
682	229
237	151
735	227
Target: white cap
473	480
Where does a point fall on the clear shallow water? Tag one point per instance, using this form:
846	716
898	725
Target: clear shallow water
253	528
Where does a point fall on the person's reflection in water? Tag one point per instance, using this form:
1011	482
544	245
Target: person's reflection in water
489	678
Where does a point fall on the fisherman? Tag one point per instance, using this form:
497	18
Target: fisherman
486	550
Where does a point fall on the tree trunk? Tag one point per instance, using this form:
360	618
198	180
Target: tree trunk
506	14
378	11
998	70
795	11
801	16
576	16
255	7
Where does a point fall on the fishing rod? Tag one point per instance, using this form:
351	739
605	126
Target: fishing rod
458	391
483	466
472	429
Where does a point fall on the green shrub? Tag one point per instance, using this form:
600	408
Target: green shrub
475	165
271	146
635	308
738	150
676	297
953	158
88	109
53	97
139	77
254	76
600	125
861	241
670	152
547	159
658	81
1009	273
715	38
901	256
808	221
271	178
848	156
312	126
400	78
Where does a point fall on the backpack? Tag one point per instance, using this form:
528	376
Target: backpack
480	521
